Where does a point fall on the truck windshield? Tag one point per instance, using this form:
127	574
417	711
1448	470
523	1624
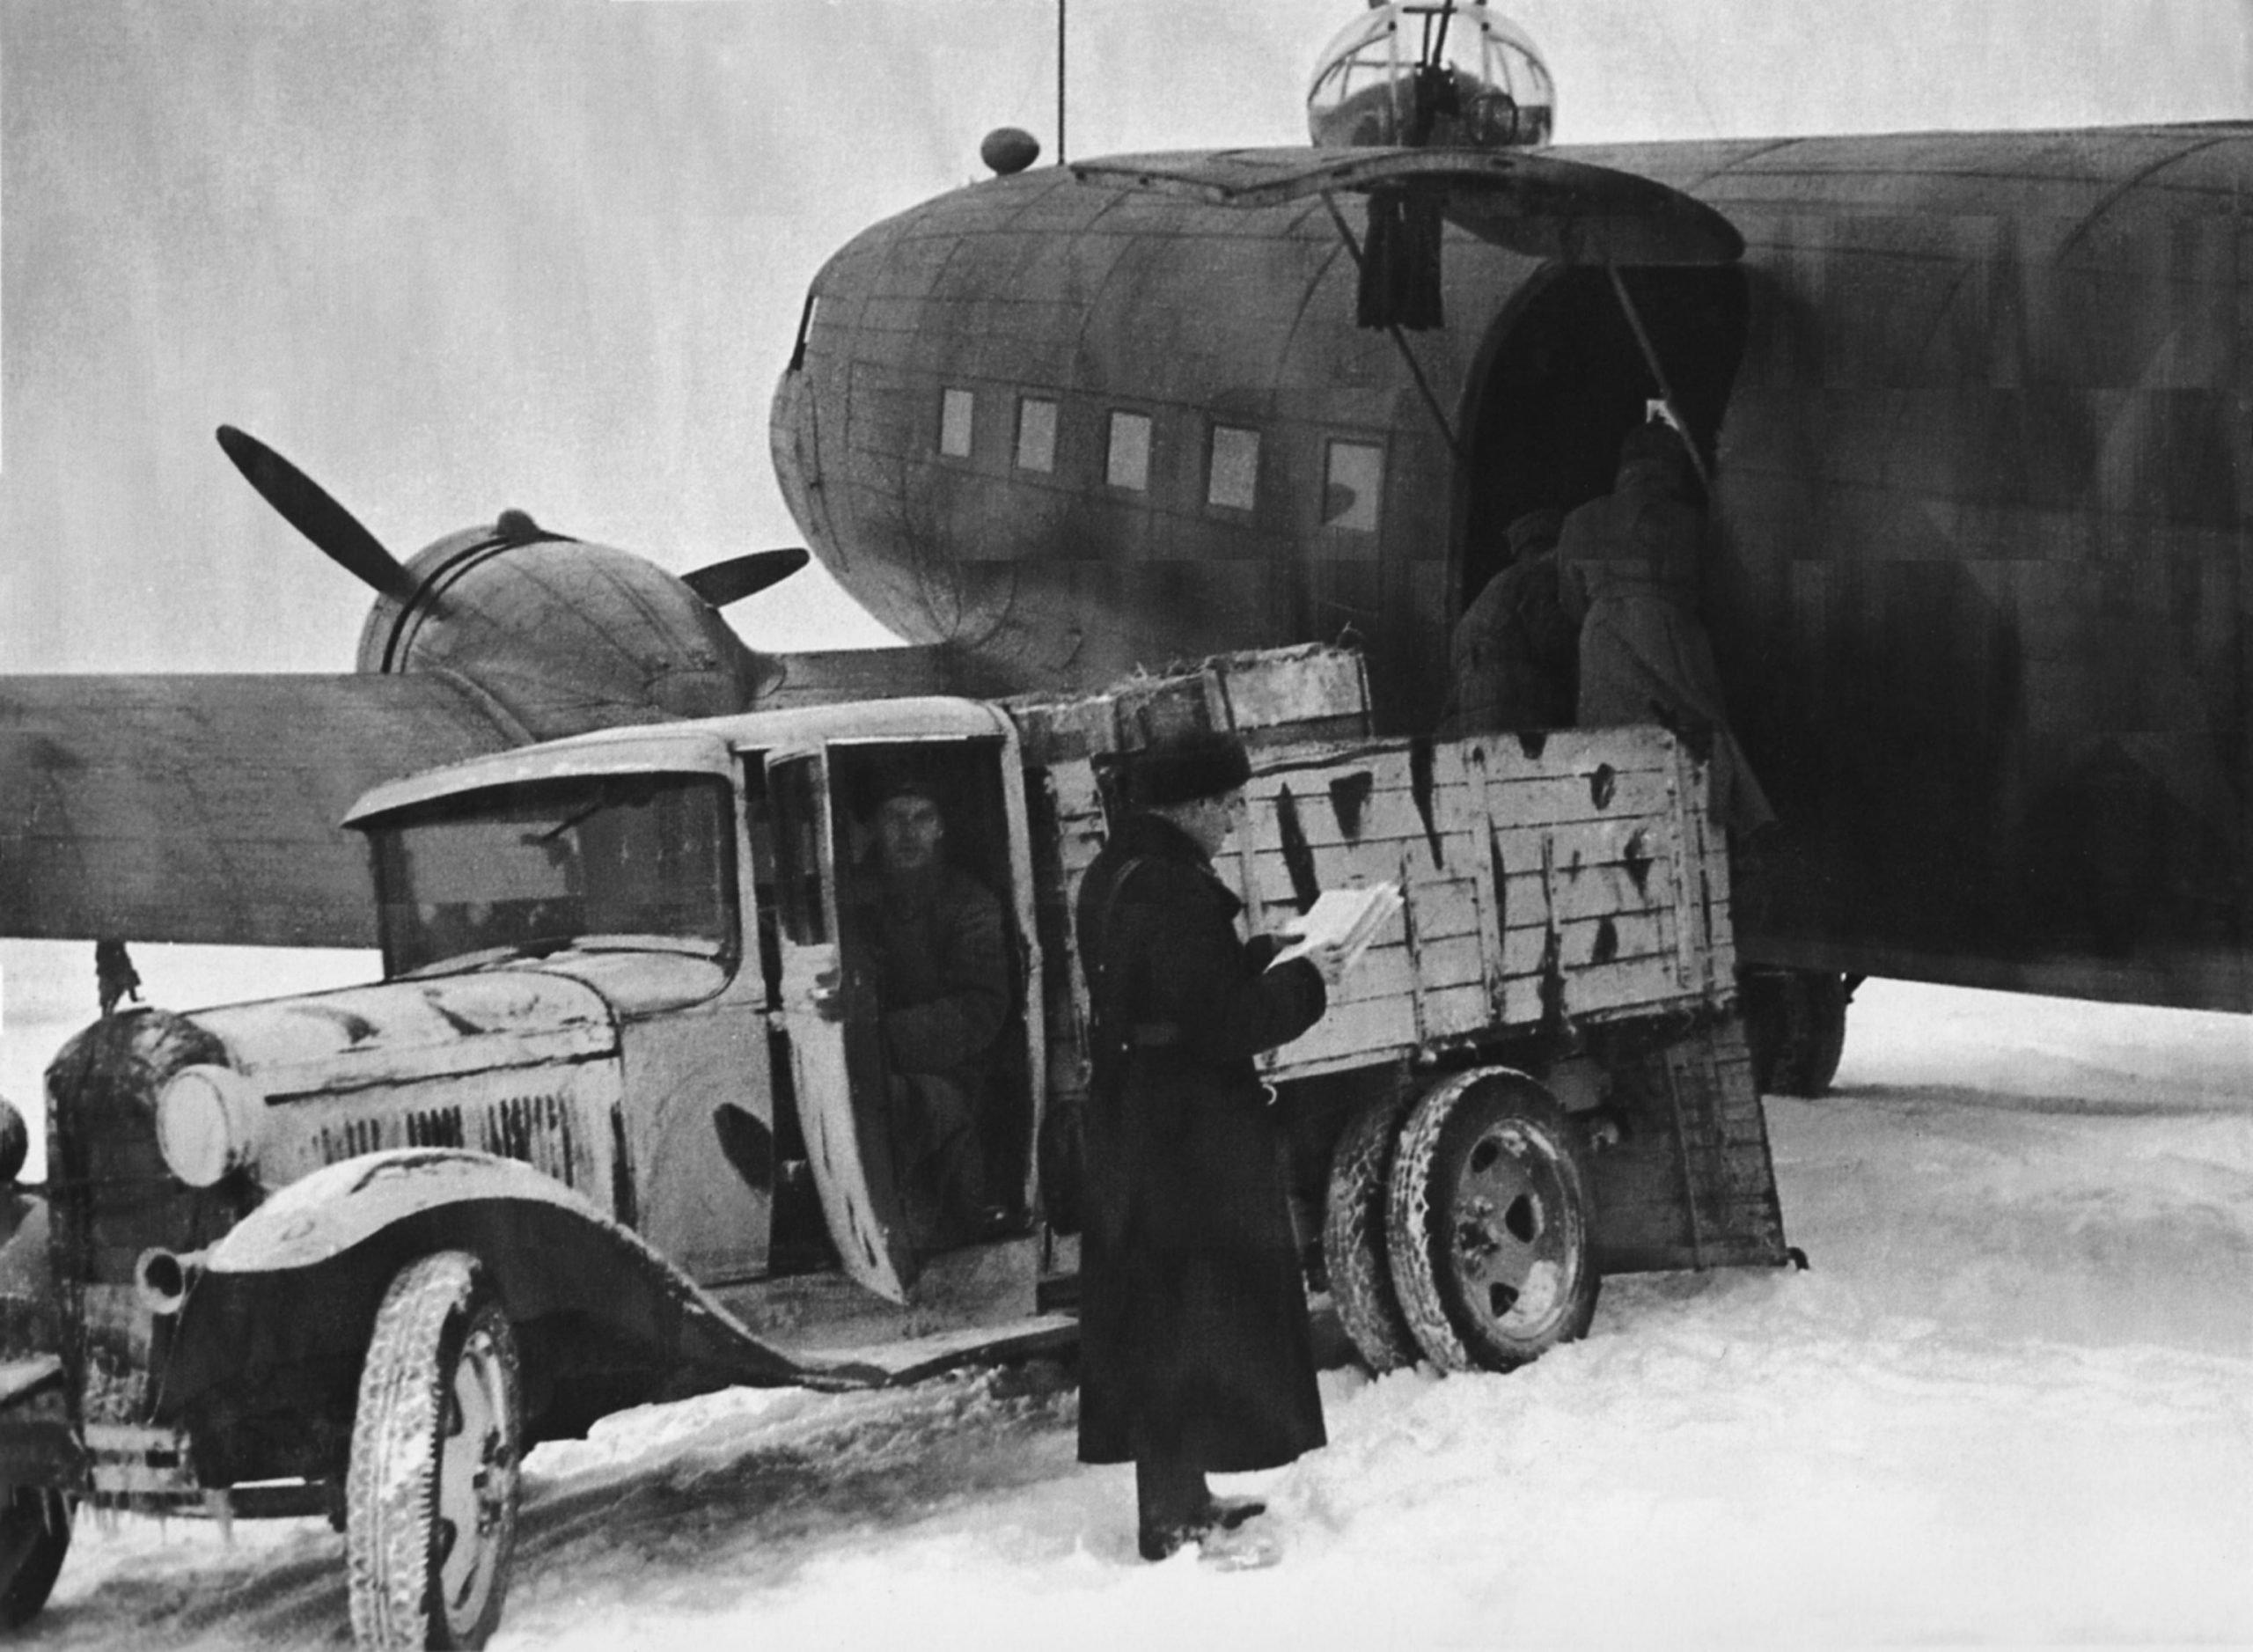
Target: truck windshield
617	860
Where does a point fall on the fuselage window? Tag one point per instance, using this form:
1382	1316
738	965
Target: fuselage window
956	410
1353	481
1130	452
1233	481
1036	434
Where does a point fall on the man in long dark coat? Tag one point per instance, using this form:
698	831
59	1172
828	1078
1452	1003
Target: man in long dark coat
1628	570
1195	1354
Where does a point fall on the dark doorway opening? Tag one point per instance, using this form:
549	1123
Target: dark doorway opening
1568	380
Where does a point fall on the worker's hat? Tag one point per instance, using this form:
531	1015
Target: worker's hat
1203	763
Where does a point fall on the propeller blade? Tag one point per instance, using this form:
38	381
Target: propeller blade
740	577
303	504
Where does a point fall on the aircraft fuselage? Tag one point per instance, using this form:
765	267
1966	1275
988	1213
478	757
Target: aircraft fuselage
1975	403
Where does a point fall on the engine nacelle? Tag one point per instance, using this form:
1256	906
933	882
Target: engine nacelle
558	635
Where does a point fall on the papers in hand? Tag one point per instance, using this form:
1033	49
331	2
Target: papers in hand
1346	918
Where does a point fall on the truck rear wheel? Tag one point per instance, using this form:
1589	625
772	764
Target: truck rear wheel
1354	1238
431	1498
34	1536
1490	1224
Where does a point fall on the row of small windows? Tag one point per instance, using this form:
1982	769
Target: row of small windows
1353	480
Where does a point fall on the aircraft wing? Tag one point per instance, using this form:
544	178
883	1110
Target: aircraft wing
205	808
1526	201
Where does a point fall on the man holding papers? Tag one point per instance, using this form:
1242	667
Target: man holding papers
1195	1355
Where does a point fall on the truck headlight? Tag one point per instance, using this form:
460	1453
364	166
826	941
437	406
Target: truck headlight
209	1122
15	1143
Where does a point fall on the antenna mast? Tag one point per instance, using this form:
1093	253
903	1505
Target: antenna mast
1059	82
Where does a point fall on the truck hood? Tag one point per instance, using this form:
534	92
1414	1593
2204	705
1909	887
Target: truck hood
402	1032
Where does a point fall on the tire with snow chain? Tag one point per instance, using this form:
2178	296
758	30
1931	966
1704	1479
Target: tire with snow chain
430	1502
1490	1225
1353	1239
34	1536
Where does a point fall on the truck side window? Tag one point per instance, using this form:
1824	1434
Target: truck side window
794	793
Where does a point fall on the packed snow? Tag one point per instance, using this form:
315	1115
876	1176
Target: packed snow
2012	1400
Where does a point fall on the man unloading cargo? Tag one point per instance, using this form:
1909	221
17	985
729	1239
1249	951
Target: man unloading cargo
1628	567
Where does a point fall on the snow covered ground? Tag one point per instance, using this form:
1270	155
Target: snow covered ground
2013	1401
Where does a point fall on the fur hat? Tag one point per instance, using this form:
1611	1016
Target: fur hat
1199	764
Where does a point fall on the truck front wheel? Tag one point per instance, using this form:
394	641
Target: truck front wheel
1490	1224
431	1497
34	1536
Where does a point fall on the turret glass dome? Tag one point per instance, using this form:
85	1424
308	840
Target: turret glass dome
1432	74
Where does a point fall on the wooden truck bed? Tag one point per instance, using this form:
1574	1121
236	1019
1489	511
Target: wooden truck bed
1567	909
1573	876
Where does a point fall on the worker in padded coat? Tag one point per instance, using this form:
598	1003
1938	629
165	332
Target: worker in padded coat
1195	1354
1629	568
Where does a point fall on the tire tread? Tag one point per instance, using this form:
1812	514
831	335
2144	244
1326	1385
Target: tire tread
391	1491
1354	1238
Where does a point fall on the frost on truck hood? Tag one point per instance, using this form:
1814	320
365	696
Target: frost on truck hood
401	1032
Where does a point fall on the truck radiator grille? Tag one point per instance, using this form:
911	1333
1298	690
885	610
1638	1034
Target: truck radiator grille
538	1130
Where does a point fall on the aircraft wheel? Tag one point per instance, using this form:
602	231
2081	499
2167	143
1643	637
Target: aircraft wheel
34	1536
1796	1023
1354	1238
1491	1223
431	1497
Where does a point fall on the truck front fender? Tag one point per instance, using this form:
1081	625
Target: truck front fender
283	1306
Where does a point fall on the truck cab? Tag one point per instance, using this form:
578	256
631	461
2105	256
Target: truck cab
707	881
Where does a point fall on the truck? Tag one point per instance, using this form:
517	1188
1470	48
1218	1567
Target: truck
614	1125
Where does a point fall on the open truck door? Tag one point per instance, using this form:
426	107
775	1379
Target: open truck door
829	1012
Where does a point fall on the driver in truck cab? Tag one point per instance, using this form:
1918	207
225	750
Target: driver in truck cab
935	944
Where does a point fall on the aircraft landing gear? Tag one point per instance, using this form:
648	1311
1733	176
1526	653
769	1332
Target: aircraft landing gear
1795	1020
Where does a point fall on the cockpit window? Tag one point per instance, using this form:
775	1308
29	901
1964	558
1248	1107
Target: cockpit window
615	861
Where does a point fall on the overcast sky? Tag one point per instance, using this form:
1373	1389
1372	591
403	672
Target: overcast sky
452	257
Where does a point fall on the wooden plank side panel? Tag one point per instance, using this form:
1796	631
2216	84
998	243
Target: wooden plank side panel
1357	803
1595	891
1549	801
1443	909
1362	1031
1579	751
1269	889
1610	840
1589	942
1456	1012
1360	803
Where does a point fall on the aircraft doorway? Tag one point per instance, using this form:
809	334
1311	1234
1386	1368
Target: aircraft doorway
1565	380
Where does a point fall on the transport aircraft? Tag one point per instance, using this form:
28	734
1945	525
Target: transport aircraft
1974	409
